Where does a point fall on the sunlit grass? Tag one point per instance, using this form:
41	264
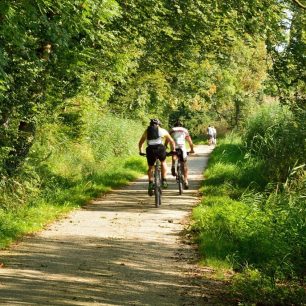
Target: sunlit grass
221	267
244	224
70	163
28	219
65	192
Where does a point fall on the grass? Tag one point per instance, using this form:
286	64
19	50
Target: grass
201	139
242	225
63	194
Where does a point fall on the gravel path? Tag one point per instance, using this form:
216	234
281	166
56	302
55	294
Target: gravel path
118	250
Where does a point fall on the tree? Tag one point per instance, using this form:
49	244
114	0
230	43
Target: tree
45	48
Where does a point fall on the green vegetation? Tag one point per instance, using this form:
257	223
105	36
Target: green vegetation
79	80
203	61
63	173
251	221
25	213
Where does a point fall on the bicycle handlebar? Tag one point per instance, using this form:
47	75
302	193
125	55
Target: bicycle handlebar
168	153
171	153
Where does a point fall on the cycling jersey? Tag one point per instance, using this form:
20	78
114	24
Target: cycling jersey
179	135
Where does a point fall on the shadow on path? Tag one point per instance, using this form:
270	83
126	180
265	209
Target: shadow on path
118	250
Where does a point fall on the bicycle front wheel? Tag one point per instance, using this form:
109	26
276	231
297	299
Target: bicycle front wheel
157	197
157	181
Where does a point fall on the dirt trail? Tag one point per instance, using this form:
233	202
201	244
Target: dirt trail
118	250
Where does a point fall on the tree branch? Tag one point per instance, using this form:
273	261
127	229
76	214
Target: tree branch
299	4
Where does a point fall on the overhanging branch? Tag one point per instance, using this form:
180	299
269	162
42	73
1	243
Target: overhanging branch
299	4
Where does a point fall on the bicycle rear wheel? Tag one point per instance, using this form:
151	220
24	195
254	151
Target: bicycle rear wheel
180	177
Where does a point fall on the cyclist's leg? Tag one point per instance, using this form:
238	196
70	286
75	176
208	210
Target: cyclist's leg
186	184
150	173
163	169
185	170
173	172
164	174
151	158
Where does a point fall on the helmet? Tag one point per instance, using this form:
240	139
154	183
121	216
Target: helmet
155	121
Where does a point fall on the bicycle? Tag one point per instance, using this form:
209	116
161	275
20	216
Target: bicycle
179	166
157	190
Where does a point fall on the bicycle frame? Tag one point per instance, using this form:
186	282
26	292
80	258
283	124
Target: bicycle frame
179	166
179	175
157	183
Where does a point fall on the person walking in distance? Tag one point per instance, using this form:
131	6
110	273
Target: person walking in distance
154	135
180	135
210	135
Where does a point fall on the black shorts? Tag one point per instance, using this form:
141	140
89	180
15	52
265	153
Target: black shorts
155	152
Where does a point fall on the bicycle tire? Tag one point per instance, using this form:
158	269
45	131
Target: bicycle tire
180	177
157	184
158	197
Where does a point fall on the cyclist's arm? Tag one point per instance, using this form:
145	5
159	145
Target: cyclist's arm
141	141
167	140
188	138
170	140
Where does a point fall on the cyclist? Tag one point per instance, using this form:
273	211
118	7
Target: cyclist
180	135
154	135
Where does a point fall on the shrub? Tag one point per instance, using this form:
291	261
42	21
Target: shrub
253	287
259	228
275	136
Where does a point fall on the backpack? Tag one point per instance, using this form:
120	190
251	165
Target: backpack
152	132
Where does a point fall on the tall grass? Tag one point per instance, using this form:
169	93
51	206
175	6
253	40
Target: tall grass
277	137
255	227
65	170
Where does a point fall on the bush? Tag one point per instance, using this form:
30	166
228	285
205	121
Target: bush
253	287
256	227
71	161
112	136
275	136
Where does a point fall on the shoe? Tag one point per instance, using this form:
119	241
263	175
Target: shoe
173	171
186	186
164	184
151	189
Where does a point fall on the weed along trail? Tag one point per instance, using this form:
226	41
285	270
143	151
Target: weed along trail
118	250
